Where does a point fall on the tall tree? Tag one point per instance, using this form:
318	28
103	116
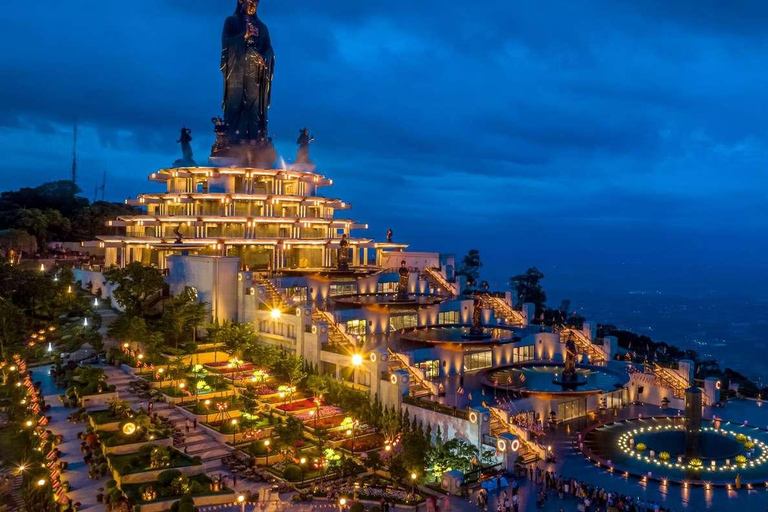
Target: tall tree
135	285
528	289
181	318
12	321
238	339
470	267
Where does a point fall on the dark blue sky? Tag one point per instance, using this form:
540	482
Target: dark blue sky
601	141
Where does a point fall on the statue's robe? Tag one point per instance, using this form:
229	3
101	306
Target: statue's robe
247	83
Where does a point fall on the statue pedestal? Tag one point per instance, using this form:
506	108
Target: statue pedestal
302	167
258	156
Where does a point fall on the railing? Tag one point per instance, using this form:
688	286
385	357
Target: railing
520	432
500	307
272	292
441	281
596	354
436	407
334	329
429	386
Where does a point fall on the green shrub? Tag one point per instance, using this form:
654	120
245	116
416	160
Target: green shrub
167	477
125	469
111	484
146	450
292	473
196	487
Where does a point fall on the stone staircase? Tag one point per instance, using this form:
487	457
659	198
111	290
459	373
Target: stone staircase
584	345
419	387
438	283
502	310
196	443
336	336
273	298
529	453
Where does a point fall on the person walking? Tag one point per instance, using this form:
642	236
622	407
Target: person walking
195	423
187	425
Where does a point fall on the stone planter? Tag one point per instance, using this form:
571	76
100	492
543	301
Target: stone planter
200	501
125	449
101	400
153	474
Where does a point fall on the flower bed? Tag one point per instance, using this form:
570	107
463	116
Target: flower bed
278	400
140	462
324	415
196	485
104	417
242	425
365	443
299	405
262	389
224	367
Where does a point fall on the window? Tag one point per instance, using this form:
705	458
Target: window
571	410
431	368
523	354
357	328
478	361
291	332
343	289
280	328
364	378
299	294
386	287
403	322
264	326
449	317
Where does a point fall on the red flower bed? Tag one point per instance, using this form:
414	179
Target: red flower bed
297	405
223	367
327	423
364	444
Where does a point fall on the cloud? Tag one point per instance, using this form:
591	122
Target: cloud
452	123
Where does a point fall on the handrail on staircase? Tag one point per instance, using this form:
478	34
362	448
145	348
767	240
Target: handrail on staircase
444	284
431	386
597	354
505	309
520	432
332	324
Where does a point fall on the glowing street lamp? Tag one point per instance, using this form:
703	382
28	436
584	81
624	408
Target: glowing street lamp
234	432
241	501
266	445
357	360
275	314
414	476
342	503
303	462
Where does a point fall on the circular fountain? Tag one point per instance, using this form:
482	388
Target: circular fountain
683	450
547	380
459	334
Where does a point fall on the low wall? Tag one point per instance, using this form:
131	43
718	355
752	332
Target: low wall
125	449
102	400
152	475
450	426
200	501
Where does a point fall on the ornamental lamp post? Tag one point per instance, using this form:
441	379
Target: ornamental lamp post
266	445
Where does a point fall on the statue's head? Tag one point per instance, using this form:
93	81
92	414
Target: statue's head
251	6
402	263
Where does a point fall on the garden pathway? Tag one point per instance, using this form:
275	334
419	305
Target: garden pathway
197	443
82	488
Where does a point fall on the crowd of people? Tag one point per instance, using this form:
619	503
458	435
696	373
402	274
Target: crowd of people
589	498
